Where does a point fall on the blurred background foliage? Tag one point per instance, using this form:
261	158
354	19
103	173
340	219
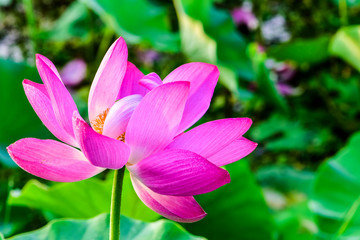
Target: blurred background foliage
292	66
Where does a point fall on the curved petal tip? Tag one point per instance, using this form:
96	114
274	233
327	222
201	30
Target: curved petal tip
100	150
179	209
51	160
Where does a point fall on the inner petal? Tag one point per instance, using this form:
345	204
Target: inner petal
150	81
118	116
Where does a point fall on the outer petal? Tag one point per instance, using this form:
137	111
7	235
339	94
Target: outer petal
51	160
203	78
179	173
100	150
108	79
150	81
211	137
234	151
119	115
40	101
155	121
49	64
180	209
61	100
130	84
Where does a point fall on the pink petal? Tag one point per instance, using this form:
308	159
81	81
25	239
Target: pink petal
51	160
62	103
150	81
108	79
119	115
100	150
179	172
180	209
211	137
234	151
203	78
39	100
49	64
155	121
130	84
73	72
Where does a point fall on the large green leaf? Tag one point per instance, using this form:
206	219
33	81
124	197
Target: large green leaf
345	44
236	210
279	133
336	194
285	178
132	206
83	199
209	35
286	190
5	158
13	219
75	22
10	219
18	119
196	44
98	229
301	50
5	3
16	219
138	21
295	222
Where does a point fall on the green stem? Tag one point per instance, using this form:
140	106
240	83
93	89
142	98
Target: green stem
31	23
116	204
7	209
348	217
104	44
343	12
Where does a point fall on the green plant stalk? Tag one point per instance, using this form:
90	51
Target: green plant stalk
31	23
348	217
343	12
116	204
7	210
104	44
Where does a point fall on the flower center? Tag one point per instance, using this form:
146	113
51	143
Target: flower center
121	137
98	123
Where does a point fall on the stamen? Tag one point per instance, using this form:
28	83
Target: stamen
121	137
98	123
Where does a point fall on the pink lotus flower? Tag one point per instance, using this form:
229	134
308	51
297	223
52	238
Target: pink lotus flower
139	121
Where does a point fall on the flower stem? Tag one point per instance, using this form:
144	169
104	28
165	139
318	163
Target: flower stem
116	204
343	12
31	24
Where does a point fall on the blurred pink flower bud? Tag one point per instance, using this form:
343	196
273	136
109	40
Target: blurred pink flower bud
283	73
73	72
243	15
